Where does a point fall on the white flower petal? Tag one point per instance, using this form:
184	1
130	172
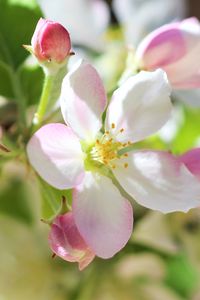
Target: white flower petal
159	181
55	153
83	100
77	16
141	106
103	217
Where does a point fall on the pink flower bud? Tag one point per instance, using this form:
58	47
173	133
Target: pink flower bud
175	48
65	241
50	41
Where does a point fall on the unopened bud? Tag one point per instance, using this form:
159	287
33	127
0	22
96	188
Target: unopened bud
50	44
66	242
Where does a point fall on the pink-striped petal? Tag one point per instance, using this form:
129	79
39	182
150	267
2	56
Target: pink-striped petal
103	217
66	242
191	160
83	100
159	181
55	153
175	48
141	106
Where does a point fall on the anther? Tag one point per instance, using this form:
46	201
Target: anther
125	165
121	130
126	154
113	125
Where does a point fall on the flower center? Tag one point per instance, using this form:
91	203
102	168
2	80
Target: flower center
105	150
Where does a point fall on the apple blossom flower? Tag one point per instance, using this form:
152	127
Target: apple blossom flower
89	155
85	19
174	48
66	241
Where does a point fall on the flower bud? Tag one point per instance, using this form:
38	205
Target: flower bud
175	48
50	41
66	242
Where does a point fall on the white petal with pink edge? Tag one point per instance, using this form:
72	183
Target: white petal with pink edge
55	153
161	47
66	241
103	217
174	48
141	106
191	160
83	100
185	73
159	181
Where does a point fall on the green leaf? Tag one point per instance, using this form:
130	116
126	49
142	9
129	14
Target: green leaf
31	78
189	132
18	21
6	88
182	275
13	201
52	200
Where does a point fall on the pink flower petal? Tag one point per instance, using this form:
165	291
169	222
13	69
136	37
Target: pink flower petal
55	153
103	217
175	48
83	100
159	181
141	106
191	160
162	47
65	241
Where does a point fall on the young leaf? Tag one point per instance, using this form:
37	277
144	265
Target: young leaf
52	200
31	78
18	20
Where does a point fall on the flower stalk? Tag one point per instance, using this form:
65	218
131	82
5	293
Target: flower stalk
46	92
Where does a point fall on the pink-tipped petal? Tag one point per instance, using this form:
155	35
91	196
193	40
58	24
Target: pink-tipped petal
175	48
191	160
83	100
185	73
141	106
103	217
66	242
162	47
159	181
55	153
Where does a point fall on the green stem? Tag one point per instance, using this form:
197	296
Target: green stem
39	115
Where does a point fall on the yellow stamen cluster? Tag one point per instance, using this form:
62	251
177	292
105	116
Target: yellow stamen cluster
106	149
